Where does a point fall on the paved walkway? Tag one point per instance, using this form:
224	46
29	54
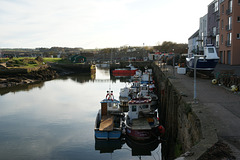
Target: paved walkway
222	104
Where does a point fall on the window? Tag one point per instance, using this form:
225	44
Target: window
214	31
134	108
221	39
216	6
230	6
145	107
238	2
221	56
229	57
210	50
222	24
238	19
115	105
217	41
238	36
229	26
229	39
223	9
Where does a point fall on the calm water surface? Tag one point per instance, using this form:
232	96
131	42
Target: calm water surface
55	120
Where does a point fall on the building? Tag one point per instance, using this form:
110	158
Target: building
213	24
203	32
193	44
229	48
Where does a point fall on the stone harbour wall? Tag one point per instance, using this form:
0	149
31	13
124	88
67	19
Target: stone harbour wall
184	130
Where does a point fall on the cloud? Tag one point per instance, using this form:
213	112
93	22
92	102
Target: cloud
95	23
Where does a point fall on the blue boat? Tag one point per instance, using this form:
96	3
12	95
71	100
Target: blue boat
207	62
109	120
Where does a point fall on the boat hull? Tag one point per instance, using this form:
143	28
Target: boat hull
202	64
141	135
124	72
115	133
107	134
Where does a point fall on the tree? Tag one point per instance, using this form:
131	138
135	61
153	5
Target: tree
168	46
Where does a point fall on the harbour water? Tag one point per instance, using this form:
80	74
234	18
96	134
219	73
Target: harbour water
55	120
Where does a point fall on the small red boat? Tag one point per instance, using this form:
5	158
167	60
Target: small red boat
128	71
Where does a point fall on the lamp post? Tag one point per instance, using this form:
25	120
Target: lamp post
173	63
196	57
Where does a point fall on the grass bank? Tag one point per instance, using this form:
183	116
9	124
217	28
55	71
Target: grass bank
29	62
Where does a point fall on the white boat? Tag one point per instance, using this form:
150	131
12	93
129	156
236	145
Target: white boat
147	76
135	88
147	93
206	63
124	98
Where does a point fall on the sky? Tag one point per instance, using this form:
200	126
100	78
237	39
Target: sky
92	24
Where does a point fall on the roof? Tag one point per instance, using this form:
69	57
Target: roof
109	101
194	35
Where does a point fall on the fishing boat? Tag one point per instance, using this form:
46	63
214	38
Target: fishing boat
147	76
147	92
138	74
141	121
127	71
124	98
109	120
207	62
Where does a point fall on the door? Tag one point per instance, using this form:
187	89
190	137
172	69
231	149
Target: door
104	109
229	57
134	112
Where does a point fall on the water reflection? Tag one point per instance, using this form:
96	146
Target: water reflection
108	146
26	87
143	148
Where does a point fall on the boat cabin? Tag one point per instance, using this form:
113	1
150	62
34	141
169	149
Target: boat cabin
146	77
138	108
109	104
144	90
210	52
124	92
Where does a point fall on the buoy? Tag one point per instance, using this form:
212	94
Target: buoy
214	81
234	88
161	129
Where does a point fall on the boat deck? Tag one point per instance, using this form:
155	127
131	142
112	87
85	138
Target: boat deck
140	124
107	123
